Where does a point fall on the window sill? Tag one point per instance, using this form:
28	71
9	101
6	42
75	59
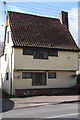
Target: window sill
41	58
38	85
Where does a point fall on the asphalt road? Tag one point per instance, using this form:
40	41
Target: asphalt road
69	110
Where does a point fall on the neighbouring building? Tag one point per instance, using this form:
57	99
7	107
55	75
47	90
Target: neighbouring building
39	55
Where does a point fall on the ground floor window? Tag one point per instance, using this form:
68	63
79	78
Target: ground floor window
38	79
26	75
51	75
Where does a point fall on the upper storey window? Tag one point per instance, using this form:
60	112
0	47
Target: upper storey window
39	53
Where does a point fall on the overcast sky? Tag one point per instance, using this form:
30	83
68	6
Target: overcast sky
48	9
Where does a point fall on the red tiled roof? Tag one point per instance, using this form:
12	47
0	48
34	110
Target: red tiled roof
36	31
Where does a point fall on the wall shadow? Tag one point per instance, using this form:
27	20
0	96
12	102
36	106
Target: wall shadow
7	105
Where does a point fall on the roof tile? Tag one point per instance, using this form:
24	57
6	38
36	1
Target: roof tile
36	31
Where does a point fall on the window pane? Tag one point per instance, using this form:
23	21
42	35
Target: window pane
7	76
36	54
40	55
51	75
26	75
27	51
43	78
45	55
53	53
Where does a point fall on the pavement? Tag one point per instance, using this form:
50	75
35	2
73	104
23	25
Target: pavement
17	103
43	100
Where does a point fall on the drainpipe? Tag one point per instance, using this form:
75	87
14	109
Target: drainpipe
11	74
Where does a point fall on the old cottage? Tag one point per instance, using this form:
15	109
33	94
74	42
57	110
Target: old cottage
39	55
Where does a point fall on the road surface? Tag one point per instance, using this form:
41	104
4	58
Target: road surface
69	110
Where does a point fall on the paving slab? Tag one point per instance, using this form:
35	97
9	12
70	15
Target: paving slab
42	100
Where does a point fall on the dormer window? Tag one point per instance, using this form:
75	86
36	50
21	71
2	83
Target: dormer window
7	37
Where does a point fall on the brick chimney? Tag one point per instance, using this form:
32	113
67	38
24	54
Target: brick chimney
64	18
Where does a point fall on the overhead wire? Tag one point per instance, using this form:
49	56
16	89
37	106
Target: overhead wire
29	7
54	6
36	6
41	12
39	3
33	9
47	5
